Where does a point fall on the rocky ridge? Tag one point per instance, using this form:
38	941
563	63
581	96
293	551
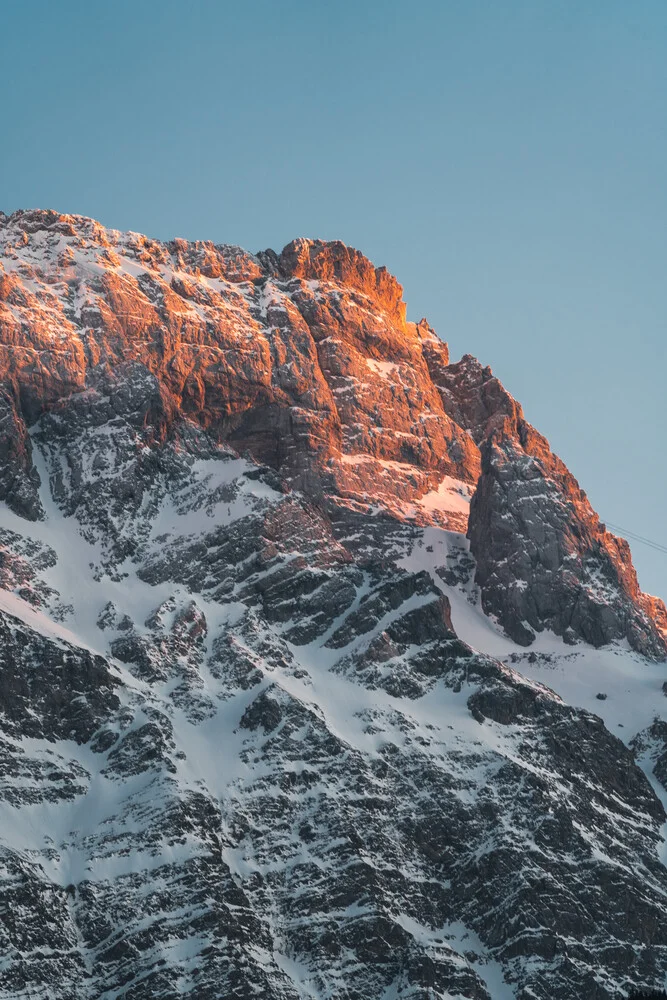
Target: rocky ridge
269	727
305	361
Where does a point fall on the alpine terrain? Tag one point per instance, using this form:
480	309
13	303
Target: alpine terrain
319	675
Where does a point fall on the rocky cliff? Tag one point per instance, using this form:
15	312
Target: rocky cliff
270	564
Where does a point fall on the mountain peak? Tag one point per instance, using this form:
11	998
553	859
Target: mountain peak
319	675
319	260
305	361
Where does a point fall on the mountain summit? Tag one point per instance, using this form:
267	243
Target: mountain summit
320	677
305	362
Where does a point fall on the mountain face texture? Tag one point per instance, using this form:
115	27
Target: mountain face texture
319	676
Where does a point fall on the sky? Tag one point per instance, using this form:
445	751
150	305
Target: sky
506	161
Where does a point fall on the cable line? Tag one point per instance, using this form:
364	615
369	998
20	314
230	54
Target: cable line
637	538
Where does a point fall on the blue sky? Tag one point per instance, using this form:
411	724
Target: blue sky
506	160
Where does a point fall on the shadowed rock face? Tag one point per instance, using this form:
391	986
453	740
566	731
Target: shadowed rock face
544	559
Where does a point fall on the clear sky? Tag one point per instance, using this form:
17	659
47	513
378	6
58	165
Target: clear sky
506	159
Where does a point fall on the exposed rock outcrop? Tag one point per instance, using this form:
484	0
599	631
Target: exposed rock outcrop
544	559
302	358
252	742
305	360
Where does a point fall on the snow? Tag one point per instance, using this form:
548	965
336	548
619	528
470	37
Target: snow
362	458
577	674
383	368
646	760
459	941
632	685
15	606
452	495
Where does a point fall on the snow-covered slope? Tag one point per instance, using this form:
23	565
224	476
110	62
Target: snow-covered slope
260	735
278	772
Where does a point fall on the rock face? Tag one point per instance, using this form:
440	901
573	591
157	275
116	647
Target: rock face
543	557
257	735
283	356
304	360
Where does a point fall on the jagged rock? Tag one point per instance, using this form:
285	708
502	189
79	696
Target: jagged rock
50	689
544	560
247	747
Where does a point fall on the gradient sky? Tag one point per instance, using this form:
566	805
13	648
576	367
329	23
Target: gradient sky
506	159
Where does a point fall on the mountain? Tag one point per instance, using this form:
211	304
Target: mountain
320	677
